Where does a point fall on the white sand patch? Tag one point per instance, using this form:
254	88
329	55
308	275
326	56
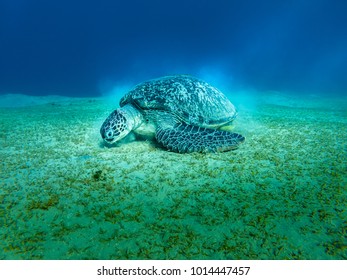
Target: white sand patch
302	101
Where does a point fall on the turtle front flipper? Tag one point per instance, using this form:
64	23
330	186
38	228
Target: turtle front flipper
184	138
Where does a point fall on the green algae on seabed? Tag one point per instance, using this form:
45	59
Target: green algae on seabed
282	195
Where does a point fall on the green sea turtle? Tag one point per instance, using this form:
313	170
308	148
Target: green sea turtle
185	114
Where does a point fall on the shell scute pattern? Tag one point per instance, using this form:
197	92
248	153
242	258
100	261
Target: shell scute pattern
190	99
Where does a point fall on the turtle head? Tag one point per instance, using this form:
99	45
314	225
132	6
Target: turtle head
115	127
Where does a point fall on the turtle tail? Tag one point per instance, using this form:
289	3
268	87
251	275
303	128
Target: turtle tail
184	138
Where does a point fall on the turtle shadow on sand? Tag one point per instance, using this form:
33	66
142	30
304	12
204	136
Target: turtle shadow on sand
128	139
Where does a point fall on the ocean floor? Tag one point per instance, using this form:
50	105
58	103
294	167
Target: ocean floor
281	195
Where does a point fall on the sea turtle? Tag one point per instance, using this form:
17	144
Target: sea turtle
185	114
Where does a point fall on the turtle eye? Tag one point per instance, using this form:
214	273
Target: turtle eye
109	134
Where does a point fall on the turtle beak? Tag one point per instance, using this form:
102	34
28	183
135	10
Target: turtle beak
109	140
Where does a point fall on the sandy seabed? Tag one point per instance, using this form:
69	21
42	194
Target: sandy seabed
281	195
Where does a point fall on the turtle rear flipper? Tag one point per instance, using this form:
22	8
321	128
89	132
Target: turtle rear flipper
185	138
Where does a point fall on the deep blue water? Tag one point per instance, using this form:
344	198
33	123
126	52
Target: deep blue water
84	48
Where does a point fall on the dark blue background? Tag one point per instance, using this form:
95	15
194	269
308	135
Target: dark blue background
86	47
